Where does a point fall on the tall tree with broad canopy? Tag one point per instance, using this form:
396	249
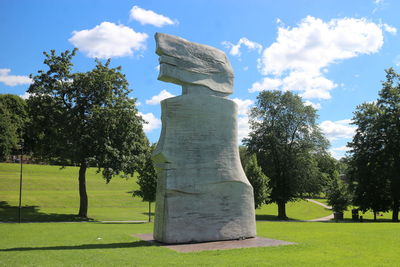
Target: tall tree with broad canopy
13	116
284	136
368	165
375	149
389	103
85	119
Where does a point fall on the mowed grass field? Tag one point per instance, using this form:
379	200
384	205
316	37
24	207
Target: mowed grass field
114	244
50	193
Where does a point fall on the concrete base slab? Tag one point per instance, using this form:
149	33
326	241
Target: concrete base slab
218	245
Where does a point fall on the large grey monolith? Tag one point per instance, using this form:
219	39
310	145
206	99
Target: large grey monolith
202	191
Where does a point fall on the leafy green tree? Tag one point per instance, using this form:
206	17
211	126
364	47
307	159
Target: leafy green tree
284	136
147	181
375	150
389	104
338	195
329	168
256	177
86	119
13	116
367	166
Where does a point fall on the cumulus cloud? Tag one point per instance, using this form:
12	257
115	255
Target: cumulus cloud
244	106
266	84
314	105
26	95
299	57
150	17
13	80
158	98
152	122
243	128
339	152
337	129
109	40
235	48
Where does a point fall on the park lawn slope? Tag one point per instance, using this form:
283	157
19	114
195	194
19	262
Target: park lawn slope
101	244
50	193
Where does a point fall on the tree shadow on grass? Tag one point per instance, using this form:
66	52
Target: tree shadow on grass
134	244
268	217
32	214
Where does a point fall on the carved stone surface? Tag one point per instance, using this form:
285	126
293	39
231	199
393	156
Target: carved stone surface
183	62
202	191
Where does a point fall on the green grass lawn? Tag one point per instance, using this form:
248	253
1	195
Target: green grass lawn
51	194
100	244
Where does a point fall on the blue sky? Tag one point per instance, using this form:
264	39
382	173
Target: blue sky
333	53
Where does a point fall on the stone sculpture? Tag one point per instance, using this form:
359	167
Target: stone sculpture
202	191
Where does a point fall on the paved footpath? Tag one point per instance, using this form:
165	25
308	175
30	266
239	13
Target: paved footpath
323	219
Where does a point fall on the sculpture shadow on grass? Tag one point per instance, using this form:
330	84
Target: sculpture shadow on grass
9	213
134	244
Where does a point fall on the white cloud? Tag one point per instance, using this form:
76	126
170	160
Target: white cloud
243	105
108	40
265	84
13	80
152	122
300	55
339	152
150	17
337	129
26	95
243	119
243	128
157	68
158	98
235	48
389	29
314	105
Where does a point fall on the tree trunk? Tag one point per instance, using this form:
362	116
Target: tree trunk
395	214
374	216
149	211
282	210
83	207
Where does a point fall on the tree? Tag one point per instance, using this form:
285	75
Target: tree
284	136
389	104
85	119
367	166
338	195
375	149
13	116
256	177
329	168
147	181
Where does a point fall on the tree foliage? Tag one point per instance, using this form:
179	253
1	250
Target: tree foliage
85	119
13	116
256	177
147	180
375	149
284	136
338	195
